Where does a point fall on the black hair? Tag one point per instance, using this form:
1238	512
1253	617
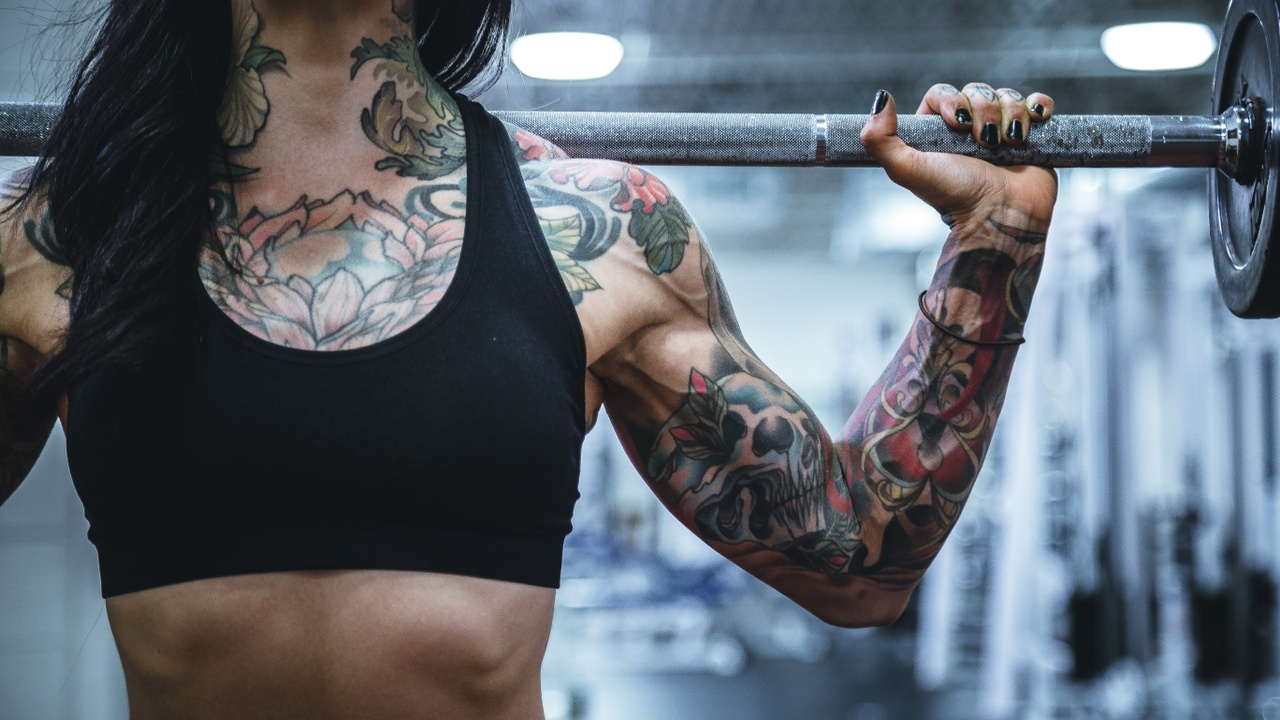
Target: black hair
126	168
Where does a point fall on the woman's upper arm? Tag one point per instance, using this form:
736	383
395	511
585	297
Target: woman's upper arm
25	274
730	449
733	452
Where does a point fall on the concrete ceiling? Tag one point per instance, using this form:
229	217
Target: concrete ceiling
832	55
781	56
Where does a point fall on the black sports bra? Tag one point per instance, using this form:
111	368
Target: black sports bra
452	447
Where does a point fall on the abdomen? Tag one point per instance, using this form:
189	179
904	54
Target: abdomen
334	645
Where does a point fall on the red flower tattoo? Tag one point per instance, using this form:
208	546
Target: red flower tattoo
636	189
534	148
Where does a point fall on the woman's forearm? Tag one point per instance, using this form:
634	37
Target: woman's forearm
914	446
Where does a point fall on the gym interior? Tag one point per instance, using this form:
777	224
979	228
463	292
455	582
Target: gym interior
1118	557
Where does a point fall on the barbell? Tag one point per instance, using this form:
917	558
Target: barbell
1236	140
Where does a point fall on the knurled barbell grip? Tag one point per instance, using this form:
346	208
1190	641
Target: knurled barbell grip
1116	141
795	139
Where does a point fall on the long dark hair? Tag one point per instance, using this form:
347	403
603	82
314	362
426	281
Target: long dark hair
126	168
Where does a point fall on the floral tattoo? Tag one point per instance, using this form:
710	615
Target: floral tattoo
596	196
338	274
352	270
36	225
245	107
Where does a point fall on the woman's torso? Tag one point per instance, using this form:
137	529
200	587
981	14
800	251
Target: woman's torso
363	643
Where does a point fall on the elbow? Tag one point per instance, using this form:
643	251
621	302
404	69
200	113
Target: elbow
852	618
846	601
860	610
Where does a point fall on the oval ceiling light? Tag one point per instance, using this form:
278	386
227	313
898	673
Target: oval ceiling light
1152	47
567	55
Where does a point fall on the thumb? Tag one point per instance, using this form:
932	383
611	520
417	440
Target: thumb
950	183
880	138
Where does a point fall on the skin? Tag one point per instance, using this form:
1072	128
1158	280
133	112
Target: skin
323	108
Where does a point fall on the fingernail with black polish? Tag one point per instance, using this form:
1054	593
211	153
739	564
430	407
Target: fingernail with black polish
1015	131
963	117
882	99
990	134
1038	109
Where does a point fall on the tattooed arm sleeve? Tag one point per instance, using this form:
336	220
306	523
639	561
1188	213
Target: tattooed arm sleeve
24	426
844	526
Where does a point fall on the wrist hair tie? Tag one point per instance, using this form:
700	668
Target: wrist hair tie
980	343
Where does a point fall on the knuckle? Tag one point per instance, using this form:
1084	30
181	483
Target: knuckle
981	94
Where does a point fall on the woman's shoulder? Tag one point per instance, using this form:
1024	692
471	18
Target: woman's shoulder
607	220
35	279
612	200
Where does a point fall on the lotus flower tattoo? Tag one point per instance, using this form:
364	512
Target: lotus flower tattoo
384	271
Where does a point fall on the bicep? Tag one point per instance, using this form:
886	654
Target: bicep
733	451
741	460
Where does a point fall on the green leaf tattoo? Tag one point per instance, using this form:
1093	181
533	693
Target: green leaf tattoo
707	438
563	236
260	57
40	235
401	52
224	170
663	233
423	133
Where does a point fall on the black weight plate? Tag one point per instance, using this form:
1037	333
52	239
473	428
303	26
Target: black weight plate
1246	251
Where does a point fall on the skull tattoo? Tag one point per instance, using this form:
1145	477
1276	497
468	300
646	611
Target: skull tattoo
750	464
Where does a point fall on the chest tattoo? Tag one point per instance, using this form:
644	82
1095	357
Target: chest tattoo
337	274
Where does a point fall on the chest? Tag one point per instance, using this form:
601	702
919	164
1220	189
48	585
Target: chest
341	274
403	425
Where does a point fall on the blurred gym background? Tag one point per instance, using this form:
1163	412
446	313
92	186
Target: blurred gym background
1118	558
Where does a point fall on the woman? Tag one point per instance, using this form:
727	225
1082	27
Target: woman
324	371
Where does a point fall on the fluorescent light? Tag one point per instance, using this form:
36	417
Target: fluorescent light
567	55
1159	46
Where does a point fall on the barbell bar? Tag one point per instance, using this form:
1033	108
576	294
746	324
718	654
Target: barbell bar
1237	141
803	140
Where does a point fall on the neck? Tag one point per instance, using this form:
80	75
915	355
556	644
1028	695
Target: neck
339	74
322	33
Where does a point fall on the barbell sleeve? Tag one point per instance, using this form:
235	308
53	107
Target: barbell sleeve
1105	141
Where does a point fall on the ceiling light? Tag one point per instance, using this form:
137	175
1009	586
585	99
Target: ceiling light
567	55
1159	45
